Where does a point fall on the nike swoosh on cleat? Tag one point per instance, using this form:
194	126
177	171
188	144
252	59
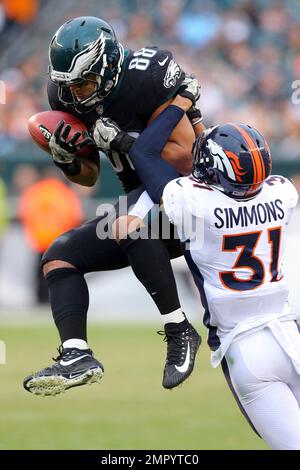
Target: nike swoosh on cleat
186	363
71	361
162	63
75	375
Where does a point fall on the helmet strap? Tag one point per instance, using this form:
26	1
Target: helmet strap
104	65
119	64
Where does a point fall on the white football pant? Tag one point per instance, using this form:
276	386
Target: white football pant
266	384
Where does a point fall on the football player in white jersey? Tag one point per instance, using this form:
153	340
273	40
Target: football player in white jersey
232	219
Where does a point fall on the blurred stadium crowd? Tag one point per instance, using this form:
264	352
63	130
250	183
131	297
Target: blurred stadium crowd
245	53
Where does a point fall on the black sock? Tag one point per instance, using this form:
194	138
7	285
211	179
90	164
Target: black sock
69	299
150	262
175	327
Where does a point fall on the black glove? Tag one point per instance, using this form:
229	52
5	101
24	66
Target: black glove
64	151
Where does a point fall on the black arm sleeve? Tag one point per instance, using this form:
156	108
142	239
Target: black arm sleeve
145	153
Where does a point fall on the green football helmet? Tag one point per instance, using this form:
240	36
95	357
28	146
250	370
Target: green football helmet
82	46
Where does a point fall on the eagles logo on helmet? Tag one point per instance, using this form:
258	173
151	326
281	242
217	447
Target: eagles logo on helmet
235	157
83	46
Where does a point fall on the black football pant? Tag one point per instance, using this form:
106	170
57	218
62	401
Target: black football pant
87	253
82	248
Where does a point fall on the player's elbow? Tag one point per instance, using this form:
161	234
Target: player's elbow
92	178
185	166
182	163
179	156
88	176
87	181
91	182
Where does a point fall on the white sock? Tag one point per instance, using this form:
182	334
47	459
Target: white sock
75	343
177	316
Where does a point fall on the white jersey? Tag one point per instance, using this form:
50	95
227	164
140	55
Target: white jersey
234	250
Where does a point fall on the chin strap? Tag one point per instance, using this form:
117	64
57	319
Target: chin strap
119	64
111	84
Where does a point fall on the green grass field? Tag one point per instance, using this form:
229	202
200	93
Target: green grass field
128	410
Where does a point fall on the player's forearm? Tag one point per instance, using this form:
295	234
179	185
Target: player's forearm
193	113
199	128
178	149
87	175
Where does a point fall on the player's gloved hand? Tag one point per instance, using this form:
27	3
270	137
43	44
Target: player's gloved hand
105	131
64	150
194	114
190	89
108	136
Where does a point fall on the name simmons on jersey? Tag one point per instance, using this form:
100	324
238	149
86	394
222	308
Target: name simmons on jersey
244	216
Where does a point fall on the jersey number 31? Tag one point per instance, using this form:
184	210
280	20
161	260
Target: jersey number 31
247	259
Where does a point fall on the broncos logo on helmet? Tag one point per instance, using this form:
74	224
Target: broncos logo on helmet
233	156
225	161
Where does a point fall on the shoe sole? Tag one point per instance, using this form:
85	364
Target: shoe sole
54	385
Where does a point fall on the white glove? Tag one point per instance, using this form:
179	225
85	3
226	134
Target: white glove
105	131
190	89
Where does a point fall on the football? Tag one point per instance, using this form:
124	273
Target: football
42	125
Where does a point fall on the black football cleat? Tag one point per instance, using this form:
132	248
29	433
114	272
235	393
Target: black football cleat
73	367
183	344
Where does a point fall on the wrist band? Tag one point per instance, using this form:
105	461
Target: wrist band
197	121
122	142
70	169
